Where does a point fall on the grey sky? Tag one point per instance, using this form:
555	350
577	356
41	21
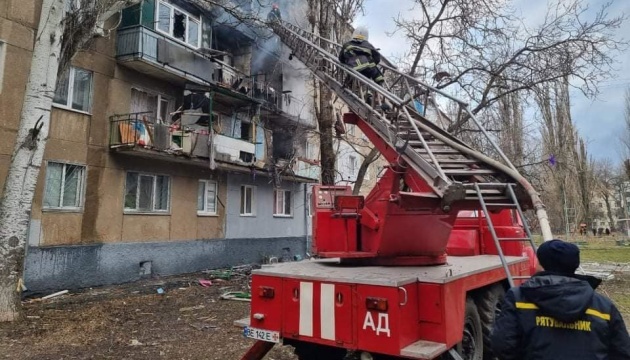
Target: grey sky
599	121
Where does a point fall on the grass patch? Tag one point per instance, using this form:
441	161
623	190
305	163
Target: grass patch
599	249
614	254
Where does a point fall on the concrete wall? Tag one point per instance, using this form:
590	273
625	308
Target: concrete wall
72	267
263	224
18	20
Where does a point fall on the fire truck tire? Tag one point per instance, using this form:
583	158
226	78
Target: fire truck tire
489	304
471	347
307	351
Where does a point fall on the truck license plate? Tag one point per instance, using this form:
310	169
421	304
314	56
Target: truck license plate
264	335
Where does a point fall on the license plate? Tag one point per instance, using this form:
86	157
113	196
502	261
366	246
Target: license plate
264	335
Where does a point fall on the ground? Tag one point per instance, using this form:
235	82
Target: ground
188	321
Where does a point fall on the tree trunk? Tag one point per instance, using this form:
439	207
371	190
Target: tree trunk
15	206
327	150
609	212
367	161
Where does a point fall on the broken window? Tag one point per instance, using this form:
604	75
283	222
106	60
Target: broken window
157	106
282	203
178	24
64	186
147	193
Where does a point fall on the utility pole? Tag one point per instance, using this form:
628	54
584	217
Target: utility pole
566	213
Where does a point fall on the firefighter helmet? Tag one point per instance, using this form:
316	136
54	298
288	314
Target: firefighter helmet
361	33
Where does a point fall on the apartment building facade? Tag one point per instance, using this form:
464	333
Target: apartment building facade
167	153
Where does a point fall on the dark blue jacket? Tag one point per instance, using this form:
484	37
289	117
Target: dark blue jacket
556	317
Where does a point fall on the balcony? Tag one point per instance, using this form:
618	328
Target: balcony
140	132
157	55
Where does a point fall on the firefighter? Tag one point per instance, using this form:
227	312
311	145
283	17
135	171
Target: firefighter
274	14
558	315
361	56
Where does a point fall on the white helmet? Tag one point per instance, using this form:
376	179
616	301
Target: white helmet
361	33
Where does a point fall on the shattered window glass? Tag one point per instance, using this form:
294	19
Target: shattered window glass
179	25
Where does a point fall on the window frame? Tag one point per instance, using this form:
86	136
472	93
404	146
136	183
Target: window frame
242	206
205	212
352	166
70	95
129	211
160	99
277	192
189	17
80	188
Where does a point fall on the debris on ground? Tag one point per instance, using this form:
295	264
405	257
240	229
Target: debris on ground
237	296
205	283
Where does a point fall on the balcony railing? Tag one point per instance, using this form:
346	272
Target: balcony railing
141	43
140	130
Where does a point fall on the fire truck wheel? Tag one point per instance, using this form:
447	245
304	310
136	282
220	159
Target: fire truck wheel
489	305
471	347
307	351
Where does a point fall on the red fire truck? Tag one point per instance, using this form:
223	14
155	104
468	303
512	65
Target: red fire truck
416	269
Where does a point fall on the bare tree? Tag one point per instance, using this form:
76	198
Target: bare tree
625	135
479	46
606	187
329	19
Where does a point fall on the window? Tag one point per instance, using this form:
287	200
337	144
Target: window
207	198
157	106
352	165
74	89
282	205
247	200
178	24
147	193
64	186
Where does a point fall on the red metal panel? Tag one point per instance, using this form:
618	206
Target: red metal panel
271	309
387	332
464	242
291	308
344	315
430	304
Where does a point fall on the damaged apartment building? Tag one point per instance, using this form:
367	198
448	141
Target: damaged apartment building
178	142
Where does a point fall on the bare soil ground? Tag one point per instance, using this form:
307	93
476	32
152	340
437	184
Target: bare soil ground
133	321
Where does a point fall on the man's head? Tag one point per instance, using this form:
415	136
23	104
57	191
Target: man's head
361	33
559	256
274	6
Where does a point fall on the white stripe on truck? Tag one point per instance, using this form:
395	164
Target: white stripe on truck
306	309
327	311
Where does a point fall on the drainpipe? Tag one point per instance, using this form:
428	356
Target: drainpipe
306	240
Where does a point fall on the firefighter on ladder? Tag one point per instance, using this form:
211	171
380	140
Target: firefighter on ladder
359	54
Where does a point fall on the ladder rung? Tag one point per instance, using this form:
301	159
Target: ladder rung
521	277
514	239
454	161
502	205
438	151
470	172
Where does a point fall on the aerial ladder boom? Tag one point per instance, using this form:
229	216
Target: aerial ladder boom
432	174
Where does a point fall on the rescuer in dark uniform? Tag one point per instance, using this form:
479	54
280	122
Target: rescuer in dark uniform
361	56
274	14
558	315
